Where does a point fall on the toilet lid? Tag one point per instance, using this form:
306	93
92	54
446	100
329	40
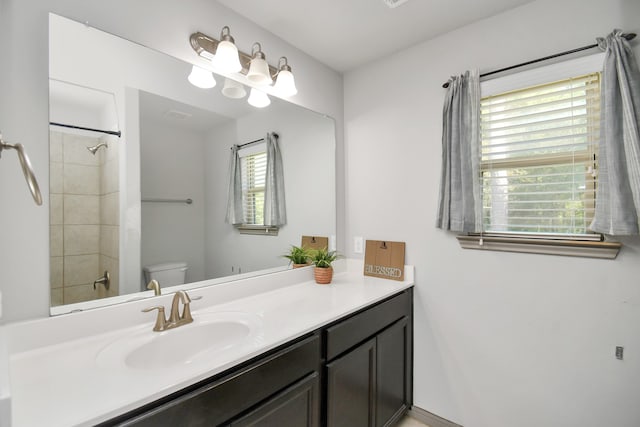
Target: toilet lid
165	266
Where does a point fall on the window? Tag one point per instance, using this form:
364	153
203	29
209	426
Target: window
253	166
538	162
539	138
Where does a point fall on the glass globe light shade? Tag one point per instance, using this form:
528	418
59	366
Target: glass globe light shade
285	83
201	78
258	98
259	72
226	57
233	89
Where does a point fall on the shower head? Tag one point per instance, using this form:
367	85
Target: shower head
95	148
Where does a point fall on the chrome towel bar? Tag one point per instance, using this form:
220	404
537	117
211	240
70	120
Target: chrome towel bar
187	201
27	170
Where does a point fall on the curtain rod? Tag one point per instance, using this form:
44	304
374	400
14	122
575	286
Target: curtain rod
109	132
256	141
629	36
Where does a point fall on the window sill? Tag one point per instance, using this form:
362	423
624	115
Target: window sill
540	245
258	230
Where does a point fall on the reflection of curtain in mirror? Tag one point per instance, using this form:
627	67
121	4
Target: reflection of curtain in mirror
275	213
234	201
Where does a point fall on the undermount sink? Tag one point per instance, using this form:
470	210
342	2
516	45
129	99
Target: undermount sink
208	335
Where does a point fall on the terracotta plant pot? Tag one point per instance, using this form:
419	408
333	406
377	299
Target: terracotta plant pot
301	265
323	275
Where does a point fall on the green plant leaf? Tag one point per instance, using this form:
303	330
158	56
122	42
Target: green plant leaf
323	258
298	255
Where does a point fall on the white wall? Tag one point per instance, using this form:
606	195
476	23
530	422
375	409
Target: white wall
501	339
163	25
309	179
172	167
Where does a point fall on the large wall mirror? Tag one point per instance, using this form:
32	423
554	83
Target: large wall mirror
119	193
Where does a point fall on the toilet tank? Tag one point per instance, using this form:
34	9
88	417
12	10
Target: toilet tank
166	273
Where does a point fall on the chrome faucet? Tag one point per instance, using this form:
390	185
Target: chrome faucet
105	279
175	318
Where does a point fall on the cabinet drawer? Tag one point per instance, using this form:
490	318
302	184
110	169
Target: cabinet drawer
297	406
225	398
361	326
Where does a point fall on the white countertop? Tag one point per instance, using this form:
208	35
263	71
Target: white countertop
62	384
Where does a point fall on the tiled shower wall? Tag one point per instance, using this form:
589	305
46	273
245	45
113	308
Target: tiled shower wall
84	217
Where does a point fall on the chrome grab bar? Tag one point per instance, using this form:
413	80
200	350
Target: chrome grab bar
187	201
27	170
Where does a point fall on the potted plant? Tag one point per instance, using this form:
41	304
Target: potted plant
323	271
298	256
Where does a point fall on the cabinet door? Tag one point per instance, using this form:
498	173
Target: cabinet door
393	372
351	387
297	406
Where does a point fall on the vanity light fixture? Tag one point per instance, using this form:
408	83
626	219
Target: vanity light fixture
226	56
259	69
201	78
254	66
285	83
233	89
258	98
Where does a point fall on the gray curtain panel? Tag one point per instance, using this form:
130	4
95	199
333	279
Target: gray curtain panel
275	212
460	201
235	214
618	192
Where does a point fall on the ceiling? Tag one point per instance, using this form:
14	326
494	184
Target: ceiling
345	34
174	113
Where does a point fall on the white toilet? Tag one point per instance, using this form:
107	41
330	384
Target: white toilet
166	273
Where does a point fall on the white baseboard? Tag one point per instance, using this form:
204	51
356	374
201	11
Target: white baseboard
432	420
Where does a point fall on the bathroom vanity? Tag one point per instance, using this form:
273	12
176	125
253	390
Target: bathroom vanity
309	355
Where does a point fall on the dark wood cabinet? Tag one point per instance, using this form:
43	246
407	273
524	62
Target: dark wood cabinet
370	385
393	373
221	399
354	372
297	406
351	387
370	355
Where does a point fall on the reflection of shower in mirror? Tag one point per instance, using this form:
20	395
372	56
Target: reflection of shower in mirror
95	148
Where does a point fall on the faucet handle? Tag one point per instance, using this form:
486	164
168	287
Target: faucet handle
186	309
161	320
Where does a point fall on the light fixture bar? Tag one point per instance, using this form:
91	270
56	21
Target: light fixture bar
206	46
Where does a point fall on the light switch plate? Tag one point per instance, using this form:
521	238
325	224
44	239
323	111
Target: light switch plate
358	244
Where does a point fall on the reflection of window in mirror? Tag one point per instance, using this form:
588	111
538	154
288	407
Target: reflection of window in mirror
253	171
253	168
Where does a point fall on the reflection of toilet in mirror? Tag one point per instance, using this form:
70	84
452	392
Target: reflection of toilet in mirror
166	273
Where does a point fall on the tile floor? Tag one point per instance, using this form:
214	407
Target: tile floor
407	421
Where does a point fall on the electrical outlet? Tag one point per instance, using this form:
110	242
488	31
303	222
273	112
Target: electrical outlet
619	352
358	244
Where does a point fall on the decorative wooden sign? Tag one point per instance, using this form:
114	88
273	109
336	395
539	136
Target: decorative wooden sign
384	259
315	242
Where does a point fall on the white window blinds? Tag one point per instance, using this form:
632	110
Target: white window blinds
538	157
253	169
